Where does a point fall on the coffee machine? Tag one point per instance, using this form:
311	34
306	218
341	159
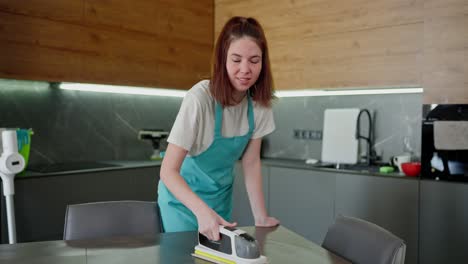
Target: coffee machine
156	136
444	148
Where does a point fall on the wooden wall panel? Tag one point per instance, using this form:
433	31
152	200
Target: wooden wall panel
181	20
319	17
337	44
143	43
23	61
194	38
71	11
354	59
124	56
40	49
445	52
140	16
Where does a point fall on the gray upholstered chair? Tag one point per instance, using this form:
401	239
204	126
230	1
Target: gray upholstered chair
113	218
362	242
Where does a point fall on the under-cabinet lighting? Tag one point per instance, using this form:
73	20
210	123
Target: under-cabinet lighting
301	93
15	85
101	88
179	93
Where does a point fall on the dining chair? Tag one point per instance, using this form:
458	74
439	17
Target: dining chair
112	218
362	242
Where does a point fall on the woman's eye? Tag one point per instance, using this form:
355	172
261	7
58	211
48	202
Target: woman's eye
254	61
236	61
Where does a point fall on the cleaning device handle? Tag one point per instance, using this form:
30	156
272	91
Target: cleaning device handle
11	162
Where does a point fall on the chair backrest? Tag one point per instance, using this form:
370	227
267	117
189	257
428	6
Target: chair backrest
362	242
113	218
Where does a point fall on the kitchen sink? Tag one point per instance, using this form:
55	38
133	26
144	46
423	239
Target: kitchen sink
353	167
360	167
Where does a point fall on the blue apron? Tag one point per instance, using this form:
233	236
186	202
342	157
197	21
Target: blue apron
209	175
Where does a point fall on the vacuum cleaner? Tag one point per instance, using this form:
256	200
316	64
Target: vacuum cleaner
234	247
11	163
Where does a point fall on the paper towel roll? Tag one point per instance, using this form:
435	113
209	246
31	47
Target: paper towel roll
451	135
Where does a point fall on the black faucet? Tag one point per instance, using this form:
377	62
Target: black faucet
369	138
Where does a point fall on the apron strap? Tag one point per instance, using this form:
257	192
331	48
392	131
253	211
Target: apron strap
219	117
218	120
250	114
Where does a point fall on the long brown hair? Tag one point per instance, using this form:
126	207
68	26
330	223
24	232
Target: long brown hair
220	86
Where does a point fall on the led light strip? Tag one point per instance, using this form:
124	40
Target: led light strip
301	93
121	89
14	85
179	93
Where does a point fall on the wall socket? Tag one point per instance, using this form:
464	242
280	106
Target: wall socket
307	134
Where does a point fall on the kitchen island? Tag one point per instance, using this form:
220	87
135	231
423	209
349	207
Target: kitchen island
278	244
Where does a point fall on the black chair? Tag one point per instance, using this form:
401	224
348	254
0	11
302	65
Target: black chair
113	218
363	242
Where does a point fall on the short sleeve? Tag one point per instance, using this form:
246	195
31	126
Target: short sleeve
264	122
185	128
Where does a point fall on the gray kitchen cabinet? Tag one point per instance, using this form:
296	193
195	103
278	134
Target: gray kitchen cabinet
241	210
443	222
391	203
40	202
303	200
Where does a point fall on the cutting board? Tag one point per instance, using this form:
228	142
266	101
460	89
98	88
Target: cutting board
339	143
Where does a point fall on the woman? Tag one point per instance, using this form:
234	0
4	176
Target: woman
218	122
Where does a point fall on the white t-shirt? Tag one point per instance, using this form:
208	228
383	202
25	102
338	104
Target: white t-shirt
193	129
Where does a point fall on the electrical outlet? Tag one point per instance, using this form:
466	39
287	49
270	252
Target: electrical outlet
297	134
315	134
306	134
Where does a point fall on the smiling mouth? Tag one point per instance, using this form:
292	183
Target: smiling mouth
244	80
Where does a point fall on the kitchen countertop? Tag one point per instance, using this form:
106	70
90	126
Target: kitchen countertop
275	162
112	165
348	169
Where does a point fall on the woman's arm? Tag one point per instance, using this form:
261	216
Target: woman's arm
208	219
251	165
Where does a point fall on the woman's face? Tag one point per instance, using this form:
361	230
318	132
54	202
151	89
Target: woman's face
244	63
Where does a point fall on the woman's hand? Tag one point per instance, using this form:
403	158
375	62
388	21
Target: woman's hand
209	222
266	221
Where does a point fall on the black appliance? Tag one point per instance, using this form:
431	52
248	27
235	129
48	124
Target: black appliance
444	146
